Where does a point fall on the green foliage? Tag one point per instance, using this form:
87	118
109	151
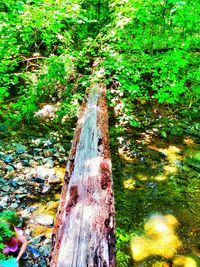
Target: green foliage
47	49
5	232
123	240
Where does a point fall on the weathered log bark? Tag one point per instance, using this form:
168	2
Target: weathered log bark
84	232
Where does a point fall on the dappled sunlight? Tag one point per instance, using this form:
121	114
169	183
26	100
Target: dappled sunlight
185	261
188	141
160	264
141	176
161	177
173	157
125	156
129	184
159	238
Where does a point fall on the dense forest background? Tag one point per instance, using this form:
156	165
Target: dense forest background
149	51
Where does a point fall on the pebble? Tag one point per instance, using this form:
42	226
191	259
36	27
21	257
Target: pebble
9	168
14	206
8	159
54	179
25	162
44	219
13	183
6	188
45	189
36	240
42	263
49	164
20	149
19	181
30	172
2	181
20	196
45	249
32	163
3	202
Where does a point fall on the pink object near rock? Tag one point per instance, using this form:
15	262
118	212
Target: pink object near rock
11	246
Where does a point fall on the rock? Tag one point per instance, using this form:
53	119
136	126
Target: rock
34	251
14	206
20	149
37	142
45	188
20	196
21	190
49	164
39	179
27	170
54	179
25	162
36	240
18	166
33	163
36	151
19	180
44	219
49	152
42	263
45	249
3	202
13	183
9	168
8	159
48	143
6	188
2	181
42	171
9	175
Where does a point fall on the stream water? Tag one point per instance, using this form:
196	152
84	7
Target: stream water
157	186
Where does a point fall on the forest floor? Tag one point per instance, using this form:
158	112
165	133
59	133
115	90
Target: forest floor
156	182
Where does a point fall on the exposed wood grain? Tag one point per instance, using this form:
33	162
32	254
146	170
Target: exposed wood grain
84	232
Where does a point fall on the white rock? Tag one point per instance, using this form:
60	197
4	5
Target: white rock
45	219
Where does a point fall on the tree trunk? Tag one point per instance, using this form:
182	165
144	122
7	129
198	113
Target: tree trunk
84	232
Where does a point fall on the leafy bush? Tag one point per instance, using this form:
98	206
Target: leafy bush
5	232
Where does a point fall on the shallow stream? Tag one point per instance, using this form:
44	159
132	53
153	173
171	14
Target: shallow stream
157	185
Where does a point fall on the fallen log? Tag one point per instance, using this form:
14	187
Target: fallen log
84	231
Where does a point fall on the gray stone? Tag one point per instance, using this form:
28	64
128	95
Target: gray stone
54	179
49	164
14	206
19	181
44	219
3	202
20	149
2	181
42	263
6	188
20	196
36	240
8	159
9	168
32	163
45	188
45	249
